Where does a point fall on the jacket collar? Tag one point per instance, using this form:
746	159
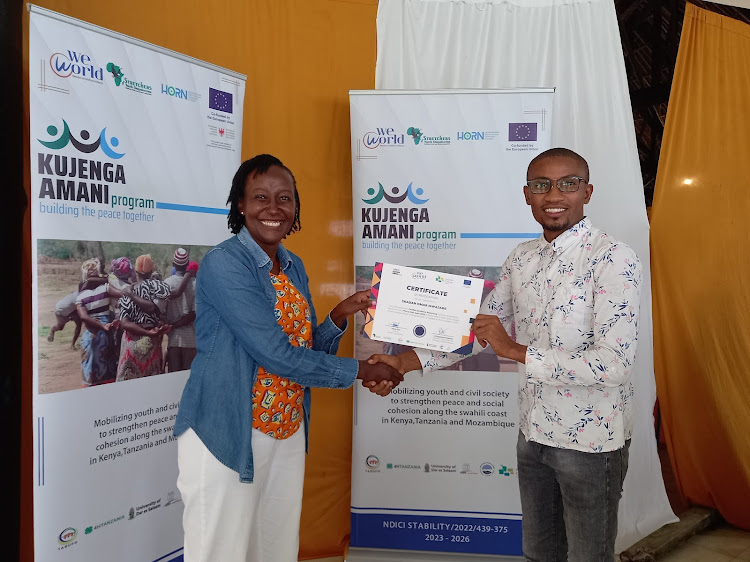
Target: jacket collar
259	255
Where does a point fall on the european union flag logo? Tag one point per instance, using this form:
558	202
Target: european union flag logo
467	282
219	100
521	131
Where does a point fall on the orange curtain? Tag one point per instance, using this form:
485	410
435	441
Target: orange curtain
701	270
301	57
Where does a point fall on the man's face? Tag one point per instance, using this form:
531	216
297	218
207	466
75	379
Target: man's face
557	211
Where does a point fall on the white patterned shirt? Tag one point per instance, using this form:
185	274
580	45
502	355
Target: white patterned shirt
575	303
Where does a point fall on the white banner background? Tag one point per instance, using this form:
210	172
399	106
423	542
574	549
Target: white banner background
496	44
433	464
172	146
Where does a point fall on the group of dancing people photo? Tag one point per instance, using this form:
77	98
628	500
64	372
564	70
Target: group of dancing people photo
123	314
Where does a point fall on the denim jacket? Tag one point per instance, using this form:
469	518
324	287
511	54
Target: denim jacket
236	332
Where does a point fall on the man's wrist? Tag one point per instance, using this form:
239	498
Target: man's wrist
515	352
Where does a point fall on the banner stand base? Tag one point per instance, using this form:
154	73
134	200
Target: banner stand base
383	555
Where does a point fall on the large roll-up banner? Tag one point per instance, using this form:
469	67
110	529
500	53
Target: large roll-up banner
133	148
437	180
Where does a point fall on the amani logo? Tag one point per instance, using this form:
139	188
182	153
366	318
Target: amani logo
86	147
393	222
395	197
82	178
397	223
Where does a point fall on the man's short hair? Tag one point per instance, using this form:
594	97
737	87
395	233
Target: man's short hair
560	152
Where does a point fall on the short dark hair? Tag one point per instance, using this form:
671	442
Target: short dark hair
257	165
560	153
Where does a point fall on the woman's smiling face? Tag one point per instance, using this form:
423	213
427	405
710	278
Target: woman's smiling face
268	206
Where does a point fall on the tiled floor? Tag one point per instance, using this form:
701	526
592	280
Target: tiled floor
721	544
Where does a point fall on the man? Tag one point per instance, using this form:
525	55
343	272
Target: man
573	298
180	315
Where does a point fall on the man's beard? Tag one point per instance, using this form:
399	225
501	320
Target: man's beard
556	227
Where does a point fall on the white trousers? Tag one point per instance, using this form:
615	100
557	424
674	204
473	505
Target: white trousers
226	520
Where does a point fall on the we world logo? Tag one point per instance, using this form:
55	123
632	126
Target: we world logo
76	65
382	136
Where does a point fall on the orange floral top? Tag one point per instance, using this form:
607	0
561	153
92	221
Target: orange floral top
277	402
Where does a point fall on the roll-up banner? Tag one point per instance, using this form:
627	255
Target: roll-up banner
133	148
437	180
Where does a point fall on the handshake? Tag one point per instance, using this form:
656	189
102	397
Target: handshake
381	373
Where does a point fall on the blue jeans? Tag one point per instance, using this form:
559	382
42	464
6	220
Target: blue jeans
569	502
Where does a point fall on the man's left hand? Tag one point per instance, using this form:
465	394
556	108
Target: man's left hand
489	330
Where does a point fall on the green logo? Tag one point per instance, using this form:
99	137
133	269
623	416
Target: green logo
88	530
116	72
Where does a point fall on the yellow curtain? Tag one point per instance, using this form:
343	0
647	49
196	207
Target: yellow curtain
301	57
701	271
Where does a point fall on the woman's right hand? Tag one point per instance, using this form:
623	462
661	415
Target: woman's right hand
379	372
403	363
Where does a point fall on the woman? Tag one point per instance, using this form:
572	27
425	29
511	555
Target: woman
245	411
98	359
121	277
140	309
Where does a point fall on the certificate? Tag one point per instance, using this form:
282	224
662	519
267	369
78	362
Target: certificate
422	308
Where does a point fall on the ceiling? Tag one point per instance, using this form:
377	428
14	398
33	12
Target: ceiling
650	34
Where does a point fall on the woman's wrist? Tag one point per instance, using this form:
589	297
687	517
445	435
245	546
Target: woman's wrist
338	319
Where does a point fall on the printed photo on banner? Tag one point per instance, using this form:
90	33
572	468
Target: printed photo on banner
113	311
364	347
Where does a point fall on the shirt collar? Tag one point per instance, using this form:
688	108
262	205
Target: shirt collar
259	255
567	238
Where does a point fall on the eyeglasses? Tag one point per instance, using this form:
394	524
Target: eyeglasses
566	184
